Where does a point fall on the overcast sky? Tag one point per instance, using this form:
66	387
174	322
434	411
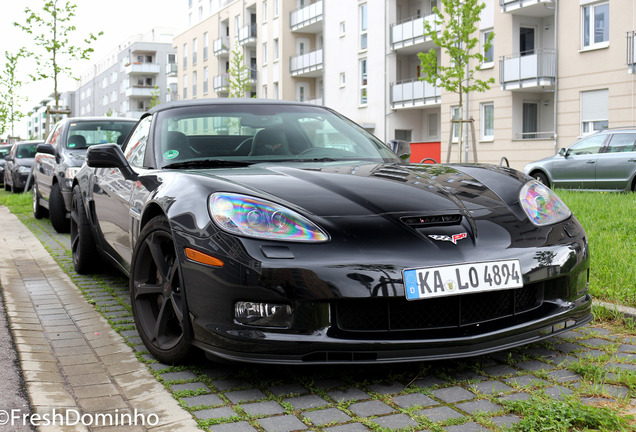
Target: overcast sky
118	19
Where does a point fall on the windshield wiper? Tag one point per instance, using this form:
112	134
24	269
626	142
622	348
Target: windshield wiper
208	163
323	159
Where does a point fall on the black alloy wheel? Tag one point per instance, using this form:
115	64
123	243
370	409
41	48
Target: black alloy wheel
82	241
157	295
38	211
57	210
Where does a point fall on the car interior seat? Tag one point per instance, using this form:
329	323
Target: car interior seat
177	141
270	141
76	142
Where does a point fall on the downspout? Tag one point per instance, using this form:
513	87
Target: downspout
556	75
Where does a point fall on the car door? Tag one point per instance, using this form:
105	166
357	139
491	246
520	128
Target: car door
44	164
576	168
112	193
615	167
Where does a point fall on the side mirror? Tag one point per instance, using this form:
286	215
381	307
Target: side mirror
45	148
563	152
400	148
7	157
109	156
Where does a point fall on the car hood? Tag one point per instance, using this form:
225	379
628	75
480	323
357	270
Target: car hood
342	189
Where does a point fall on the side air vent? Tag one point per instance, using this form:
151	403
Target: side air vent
439	220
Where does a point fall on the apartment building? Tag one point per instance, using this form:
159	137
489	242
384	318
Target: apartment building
36	119
561	70
125	82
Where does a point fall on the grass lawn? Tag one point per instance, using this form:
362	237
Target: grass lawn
610	222
608	218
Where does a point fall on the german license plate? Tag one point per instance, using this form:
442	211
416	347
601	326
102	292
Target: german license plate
457	279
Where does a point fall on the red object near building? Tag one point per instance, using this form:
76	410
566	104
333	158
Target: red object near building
424	150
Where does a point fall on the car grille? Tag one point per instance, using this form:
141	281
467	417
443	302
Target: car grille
455	312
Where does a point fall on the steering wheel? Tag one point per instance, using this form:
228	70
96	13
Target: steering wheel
243	149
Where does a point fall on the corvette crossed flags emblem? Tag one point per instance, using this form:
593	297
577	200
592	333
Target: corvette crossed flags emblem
454	238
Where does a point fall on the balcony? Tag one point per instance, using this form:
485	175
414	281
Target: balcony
221	83
631	52
530	71
308	19
142	68
312	101
414	93
221	46
139	91
306	65
247	35
534	8
408	36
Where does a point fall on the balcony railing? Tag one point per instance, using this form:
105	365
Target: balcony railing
534	135
221	46
533	69
414	93
221	83
631	52
143	68
531	7
139	91
172	69
247	35
307	19
410	32
306	64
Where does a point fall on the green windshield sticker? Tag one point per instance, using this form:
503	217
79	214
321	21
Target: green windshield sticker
171	154
71	145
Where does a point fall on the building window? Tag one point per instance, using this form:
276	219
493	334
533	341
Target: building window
185	87
185	55
265	11
596	25
275	49
194	84
530	119
343	79
456	114
433	127
363	26
275	89
594	111
363	82
487	121
264	53
194	51
206	45
200	13
342	28
264	92
489	57
236	25
275	8
206	77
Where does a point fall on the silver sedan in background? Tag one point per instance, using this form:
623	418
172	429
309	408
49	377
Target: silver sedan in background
605	160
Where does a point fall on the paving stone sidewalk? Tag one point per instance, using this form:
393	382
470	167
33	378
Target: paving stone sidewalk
467	395
72	360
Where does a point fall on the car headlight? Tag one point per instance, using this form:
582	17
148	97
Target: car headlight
542	206
258	218
24	169
71	172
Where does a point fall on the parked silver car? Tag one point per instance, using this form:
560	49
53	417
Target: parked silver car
605	160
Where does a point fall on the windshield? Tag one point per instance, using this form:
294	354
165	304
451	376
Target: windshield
25	151
263	133
4	151
83	134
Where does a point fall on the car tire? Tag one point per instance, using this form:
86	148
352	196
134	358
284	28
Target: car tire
57	210
539	176
82	241
157	296
38	211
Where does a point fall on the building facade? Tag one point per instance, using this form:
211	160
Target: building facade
560	69
36	120
125	82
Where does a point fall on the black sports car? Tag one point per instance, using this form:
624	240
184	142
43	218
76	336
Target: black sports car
278	232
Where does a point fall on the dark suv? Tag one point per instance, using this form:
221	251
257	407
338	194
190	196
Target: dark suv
60	157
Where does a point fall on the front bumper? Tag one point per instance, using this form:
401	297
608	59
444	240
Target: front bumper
352	307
